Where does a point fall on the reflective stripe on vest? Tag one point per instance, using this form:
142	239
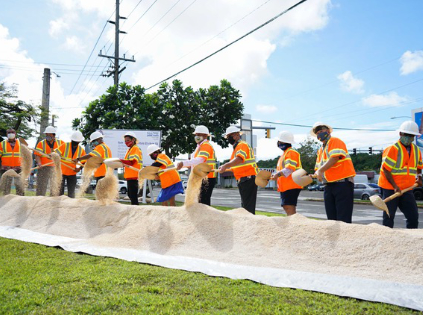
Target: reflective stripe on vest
397	169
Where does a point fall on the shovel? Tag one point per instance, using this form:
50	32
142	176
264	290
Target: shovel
381	204
150	172
37	167
117	163
301	178
203	169
262	178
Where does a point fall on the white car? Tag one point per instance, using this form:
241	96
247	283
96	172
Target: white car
123	188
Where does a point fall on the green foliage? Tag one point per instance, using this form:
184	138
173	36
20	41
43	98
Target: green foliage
16	114
268	163
173	109
44	280
367	162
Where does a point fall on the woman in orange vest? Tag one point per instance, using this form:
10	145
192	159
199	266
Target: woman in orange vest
133	157
10	156
68	152
289	162
204	153
401	168
335	169
243	165
170	180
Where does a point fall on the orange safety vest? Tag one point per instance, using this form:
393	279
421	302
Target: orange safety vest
248	167
133	154
343	168
65	151
43	147
10	157
403	166
103	151
168	178
205	150
291	160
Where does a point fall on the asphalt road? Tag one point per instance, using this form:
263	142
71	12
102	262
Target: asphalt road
269	201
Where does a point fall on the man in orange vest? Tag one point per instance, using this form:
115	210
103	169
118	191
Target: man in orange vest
289	162
10	156
100	149
46	146
170	180
204	153
244	167
335	169
401	168
68	152
133	157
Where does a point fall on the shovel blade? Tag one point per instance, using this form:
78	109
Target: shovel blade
202	169
113	163
301	178
149	172
379	203
262	178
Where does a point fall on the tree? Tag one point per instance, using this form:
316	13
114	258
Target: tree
16	114
308	152
173	109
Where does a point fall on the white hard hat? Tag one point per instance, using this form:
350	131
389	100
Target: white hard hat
286	137
409	127
231	129
77	136
152	148
95	135
317	124
201	129
50	129
130	134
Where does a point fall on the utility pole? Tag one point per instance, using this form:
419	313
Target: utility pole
45	103
115	67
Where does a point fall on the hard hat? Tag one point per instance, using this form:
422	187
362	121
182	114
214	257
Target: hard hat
317	124
231	129
77	136
130	134
50	129
201	129
152	148
95	135
409	127
286	137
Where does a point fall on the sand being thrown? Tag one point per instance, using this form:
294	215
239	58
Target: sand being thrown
106	191
237	237
26	164
92	164
56	175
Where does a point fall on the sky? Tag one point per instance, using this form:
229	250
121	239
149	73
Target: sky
350	64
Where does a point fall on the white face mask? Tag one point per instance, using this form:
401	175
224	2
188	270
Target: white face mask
198	139
11	136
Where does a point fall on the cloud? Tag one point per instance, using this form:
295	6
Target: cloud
74	44
57	26
391	99
266	109
411	62
351	84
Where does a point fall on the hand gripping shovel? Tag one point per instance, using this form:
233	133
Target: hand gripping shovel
262	178
301	178
381	204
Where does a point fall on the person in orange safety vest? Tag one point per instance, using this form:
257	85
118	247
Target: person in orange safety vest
10	156
401	168
335	169
243	165
289	162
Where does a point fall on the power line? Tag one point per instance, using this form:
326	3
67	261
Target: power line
233	42
142	15
46	63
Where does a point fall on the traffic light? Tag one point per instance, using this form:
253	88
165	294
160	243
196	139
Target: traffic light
268	133
370	150
355	151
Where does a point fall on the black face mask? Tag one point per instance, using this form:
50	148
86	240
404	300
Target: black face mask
231	140
283	146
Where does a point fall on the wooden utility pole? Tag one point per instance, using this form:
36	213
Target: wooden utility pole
45	103
115	67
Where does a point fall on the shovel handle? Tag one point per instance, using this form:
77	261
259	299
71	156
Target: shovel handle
131	167
36	168
399	193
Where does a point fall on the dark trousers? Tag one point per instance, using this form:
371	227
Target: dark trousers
207	190
133	188
43	177
407	205
339	201
8	184
71	183
248	191
98	178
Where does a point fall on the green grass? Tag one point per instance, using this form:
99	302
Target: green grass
43	280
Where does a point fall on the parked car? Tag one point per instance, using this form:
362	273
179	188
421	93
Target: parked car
316	187
418	193
364	191
122	187
376	186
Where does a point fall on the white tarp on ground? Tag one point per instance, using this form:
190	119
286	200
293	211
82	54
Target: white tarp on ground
367	262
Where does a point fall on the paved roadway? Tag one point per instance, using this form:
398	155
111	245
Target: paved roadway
269	201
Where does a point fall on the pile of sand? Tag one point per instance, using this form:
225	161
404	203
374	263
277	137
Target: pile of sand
237	237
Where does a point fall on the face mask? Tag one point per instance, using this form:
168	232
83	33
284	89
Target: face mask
94	144
74	144
11	136
231	140
283	146
198	139
323	136
128	143
49	138
406	140
154	156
